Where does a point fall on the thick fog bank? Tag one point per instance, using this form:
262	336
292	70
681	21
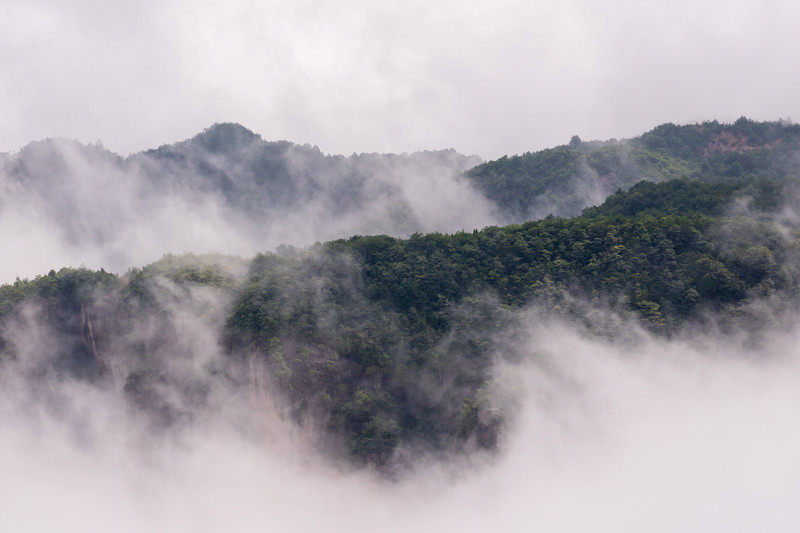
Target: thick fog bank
689	435
224	191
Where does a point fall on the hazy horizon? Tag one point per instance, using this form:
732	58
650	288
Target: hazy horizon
390	77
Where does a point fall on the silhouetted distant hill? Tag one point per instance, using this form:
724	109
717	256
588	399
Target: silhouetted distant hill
226	190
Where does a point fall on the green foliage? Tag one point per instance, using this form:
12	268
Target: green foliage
66	303
210	270
679	196
567	179
69	289
512	182
391	320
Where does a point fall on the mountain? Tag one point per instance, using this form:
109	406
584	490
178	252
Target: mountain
225	190
564	180
384	350
257	178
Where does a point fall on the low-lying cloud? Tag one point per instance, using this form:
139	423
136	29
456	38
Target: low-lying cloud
225	191
695	434
692	433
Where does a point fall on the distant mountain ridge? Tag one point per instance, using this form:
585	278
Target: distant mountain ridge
257	177
566	179
225	190
228	190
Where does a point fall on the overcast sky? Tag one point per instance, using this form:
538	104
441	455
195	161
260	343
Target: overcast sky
485	78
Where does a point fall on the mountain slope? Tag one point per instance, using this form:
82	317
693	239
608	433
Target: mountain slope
566	179
384	349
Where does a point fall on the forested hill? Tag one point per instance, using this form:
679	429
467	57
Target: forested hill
566	179
382	347
225	190
258	177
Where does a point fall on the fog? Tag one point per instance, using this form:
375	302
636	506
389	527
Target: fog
226	191
359	76
694	432
691	434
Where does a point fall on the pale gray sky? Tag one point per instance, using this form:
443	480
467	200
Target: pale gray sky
364	75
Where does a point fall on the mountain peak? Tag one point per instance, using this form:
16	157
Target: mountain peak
222	137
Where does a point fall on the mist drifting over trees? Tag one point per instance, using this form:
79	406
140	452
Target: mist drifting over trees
228	332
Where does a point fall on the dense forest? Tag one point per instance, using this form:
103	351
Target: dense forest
384	346
566	179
